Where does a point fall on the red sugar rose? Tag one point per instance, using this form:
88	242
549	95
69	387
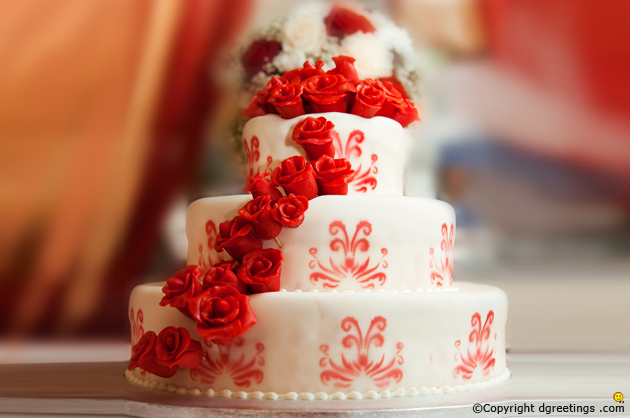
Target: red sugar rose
258	54
222	314
175	348
327	92
259	185
369	99
345	66
341	22
315	136
395	82
300	74
237	238
224	274
143	355
289	211
258	213
295	176
261	270
403	113
181	287
287	99
259	105
333	176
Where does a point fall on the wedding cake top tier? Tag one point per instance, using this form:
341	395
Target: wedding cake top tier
375	147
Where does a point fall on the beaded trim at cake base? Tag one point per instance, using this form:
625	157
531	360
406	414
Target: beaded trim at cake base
318	396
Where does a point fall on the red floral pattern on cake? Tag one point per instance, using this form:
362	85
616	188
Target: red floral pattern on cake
355	263
479	354
442	269
252	155
242	371
382	372
137	331
363	178
206	262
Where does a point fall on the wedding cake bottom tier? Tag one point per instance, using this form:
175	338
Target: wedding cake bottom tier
324	345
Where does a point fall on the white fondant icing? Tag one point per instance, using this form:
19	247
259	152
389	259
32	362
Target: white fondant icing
405	340
375	147
346	242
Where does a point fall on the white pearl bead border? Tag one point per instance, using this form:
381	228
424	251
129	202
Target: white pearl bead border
318	396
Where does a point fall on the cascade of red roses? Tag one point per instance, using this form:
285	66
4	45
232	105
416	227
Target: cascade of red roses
312	90
219	301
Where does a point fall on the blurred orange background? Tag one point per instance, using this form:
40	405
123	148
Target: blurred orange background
108	110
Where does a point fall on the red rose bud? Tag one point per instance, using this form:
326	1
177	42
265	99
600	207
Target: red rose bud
300	74
289	211
143	355
259	104
237	238
327	93
261	270
224	274
295	176
345	66
395	82
258	213
181	287
368	100
315	136
222	314
258	54
341	22
259	185
287	99
333	176
175	348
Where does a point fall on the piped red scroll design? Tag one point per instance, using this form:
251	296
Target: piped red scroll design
137	331
381	372
352	265
252	155
206	262
482	355
242	372
443	268
364	179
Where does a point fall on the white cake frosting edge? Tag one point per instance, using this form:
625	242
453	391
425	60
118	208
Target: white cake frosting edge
319	396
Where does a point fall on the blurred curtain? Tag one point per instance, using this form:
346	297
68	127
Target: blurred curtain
102	110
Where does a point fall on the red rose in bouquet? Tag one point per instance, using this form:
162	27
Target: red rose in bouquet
259	105
237	238
403	113
175	348
333	176
345	66
259	185
289	211
258	213
258	54
224	274
295	176
369	99
327	92
300	74
261	270
181	287
341	22
222	314
287	99
315	136
143	355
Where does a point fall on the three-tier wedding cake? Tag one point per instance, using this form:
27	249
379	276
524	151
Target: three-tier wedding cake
323	282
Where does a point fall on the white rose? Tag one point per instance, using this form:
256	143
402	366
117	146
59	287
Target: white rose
303	32
287	61
373	59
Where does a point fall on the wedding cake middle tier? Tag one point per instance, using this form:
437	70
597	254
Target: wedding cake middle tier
346	243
